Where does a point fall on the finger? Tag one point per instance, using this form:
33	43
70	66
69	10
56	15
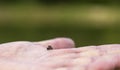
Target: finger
57	43
109	62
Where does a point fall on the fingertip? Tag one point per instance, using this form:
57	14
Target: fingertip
58	43
64	43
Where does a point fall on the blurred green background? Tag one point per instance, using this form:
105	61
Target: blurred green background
87	22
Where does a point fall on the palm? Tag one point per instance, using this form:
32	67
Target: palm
37	56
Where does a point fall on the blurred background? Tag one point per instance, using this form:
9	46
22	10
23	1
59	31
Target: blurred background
87	22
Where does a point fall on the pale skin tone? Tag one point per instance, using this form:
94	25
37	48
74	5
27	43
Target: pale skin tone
58	54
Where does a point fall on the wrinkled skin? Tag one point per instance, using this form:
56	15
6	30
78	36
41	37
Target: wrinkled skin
62	55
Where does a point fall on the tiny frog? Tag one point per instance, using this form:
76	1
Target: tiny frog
49	47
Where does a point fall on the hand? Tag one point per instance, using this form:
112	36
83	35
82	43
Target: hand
24	55
61	56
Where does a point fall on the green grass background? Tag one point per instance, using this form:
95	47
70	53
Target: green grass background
86	24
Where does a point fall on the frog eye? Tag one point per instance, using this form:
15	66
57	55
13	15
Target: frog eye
49	47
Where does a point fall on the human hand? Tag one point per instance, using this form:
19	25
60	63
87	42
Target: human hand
62	56
24	55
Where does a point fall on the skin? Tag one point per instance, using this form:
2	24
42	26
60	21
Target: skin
58	54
